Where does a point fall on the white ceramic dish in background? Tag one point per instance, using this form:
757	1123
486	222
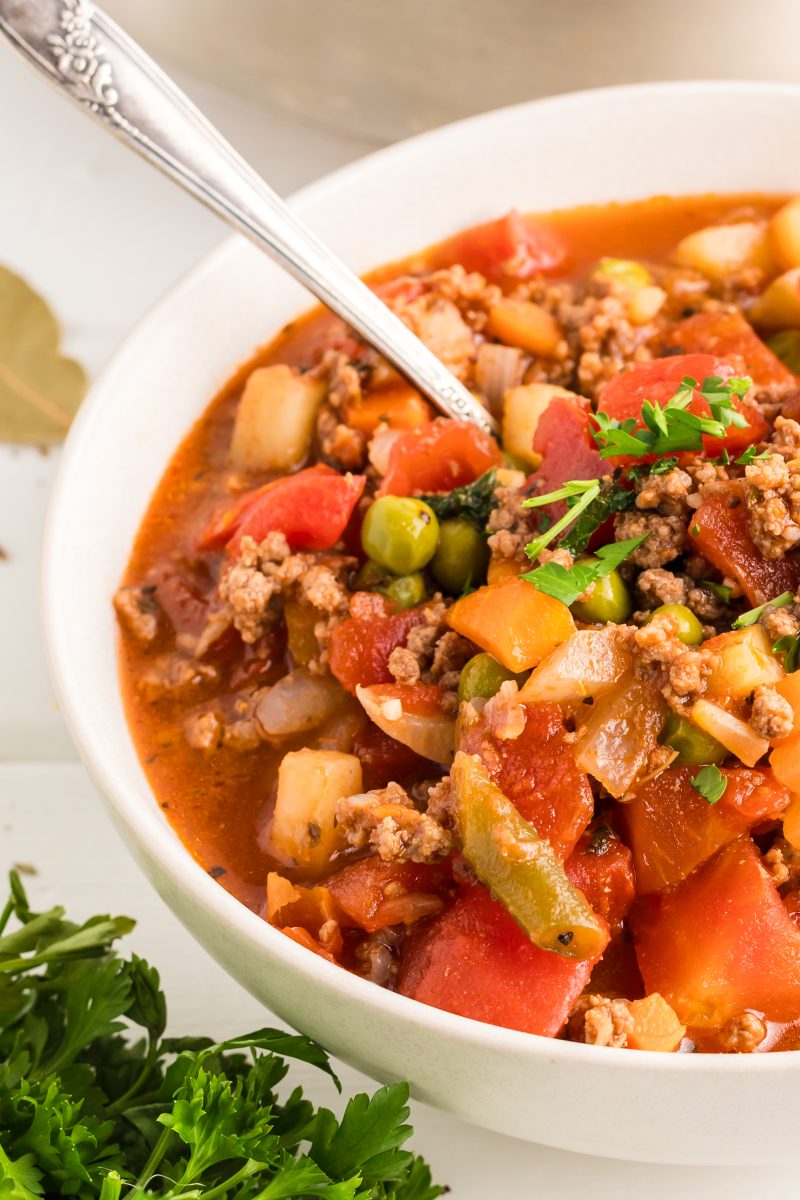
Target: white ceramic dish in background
598	146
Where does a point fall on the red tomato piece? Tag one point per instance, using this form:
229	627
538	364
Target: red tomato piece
720	533
312	508
421	699
564	440
721	942
360	891
537	773
383	759
657	381
438	457
513	247
601	865
728	335
360	647
671	829
475	960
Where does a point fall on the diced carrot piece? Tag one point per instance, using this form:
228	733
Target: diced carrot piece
399	405
513	622
655	1025
522	323
785	758
505	568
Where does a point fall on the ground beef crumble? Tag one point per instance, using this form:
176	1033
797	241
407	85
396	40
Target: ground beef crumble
600	1021
773	504
433	653
743	1034
772	716
138	610
387	821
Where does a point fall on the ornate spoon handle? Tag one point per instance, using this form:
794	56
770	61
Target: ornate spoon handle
90	58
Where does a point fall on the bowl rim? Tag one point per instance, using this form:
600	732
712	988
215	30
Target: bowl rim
138	813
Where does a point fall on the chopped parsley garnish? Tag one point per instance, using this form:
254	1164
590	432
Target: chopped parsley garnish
97	1103
673	428
752	615
578	493
751	456
710	783
789	647
720	590
568	583
474	501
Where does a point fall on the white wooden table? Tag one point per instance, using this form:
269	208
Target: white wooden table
102	235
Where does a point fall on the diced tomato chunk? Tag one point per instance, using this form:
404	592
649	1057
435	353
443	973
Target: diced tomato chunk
383	759
438	457
721	942
728	335
537	772
671	829
601	865
475	960
312	509
720	533
360	647
657	381
513	247
360	890
564	440
419	699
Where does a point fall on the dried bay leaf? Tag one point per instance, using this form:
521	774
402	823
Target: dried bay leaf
40	389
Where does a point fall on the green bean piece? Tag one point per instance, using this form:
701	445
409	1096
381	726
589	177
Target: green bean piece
693	744
400	533
608	600
461	557
521	868
689	630
484	676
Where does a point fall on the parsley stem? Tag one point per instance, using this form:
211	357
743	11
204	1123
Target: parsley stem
535	548
156	1154
122	1102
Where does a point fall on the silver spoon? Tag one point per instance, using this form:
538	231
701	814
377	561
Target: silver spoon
83	52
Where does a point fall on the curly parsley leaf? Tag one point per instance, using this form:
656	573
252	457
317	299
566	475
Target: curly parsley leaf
789	647
89	1109
663	431
710	783
473	501
568	583
753	614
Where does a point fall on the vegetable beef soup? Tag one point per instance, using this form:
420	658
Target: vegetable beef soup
510	728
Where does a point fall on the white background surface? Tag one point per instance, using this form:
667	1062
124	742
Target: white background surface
101	235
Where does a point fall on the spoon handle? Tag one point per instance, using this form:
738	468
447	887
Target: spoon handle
90	58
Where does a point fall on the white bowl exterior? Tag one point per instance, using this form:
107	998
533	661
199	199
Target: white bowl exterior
617	144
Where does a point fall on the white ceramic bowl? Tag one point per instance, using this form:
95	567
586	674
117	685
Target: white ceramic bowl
594	146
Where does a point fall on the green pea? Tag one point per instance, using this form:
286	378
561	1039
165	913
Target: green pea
461	557
400	533
609	600
786	345
690	631
693	744
405	590
482	676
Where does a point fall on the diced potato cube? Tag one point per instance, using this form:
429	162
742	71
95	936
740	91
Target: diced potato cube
743	660
784	229
718	250
644	304
778	306
525	324
275	419
310	783
522	408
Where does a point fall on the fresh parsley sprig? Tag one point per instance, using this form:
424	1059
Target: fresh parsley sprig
673	428
710	783
97	1103
753	614
750	456
569	583
789	647
473	501
578	493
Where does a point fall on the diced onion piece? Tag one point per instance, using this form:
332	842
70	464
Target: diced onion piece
298	702
743	660
380	448
525	324
497	368
431	735
735	735
588	665
784	230
778	307
522	408
310	784
644	304
275	419
719	250
616	742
